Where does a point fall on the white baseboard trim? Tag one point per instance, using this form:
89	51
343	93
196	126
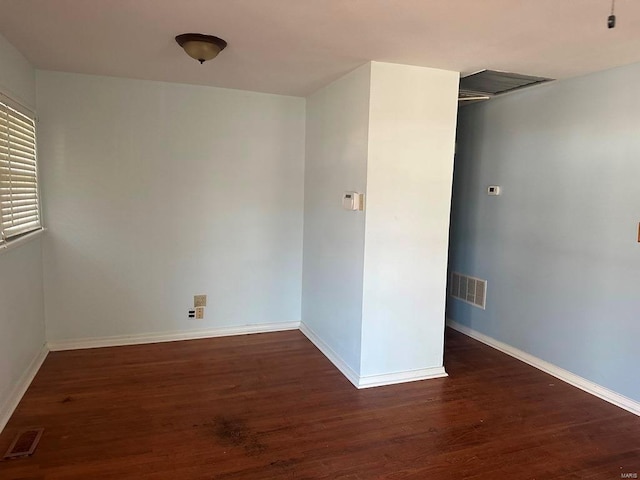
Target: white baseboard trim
369	381
564	375
60	345
12	401
333	357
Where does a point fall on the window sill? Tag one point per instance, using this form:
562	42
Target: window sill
11	244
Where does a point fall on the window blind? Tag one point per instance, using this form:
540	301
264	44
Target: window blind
19	200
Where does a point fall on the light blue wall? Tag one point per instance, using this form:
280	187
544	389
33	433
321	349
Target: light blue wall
22	331
559	247
155	192
17	75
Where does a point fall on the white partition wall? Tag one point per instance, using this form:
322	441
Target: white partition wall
333	259
412	126
388	131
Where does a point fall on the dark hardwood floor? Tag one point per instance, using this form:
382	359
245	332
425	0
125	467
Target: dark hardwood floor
270	406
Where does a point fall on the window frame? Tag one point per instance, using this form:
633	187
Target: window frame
19	238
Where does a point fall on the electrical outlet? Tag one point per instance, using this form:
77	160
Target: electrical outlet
199	313
199	300
192	313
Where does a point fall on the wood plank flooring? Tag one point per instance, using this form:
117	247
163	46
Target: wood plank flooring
271	406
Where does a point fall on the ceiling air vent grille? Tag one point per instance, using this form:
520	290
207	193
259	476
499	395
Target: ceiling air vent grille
485	84
465	97
469	289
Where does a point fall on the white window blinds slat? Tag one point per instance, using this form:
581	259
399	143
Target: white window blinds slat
19	200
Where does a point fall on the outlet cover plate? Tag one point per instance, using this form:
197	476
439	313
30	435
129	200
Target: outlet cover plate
199	313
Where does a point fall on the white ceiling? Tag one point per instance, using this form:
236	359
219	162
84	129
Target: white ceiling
294	47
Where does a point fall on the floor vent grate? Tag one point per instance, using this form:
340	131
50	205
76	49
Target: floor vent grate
469	289
25	443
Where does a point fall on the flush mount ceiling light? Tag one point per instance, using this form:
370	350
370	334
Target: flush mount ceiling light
201	47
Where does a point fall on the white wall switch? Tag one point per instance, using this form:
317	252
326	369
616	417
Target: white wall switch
493	190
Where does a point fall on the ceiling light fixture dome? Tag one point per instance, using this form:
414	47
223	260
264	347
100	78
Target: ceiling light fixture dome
201	47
